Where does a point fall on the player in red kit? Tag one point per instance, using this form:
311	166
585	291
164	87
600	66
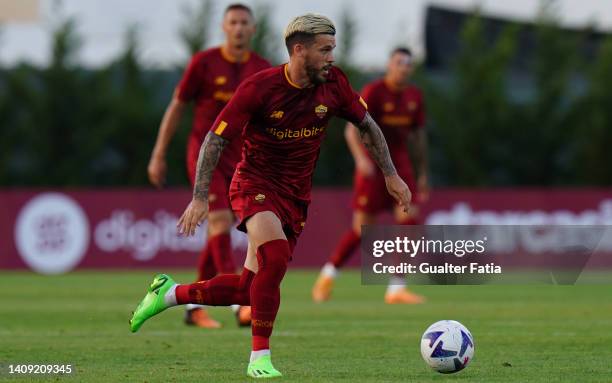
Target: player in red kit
209	81
282	114
398	108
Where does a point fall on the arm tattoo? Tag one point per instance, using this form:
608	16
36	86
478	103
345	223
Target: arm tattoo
374	141
210	151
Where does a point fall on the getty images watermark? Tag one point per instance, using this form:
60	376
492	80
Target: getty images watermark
486	254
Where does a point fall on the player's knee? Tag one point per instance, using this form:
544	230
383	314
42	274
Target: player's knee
359	219
220	223
273	257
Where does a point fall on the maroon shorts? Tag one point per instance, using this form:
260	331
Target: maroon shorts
248	200
218	191
371	195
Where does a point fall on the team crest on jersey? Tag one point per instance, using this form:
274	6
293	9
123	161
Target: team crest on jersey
220	80
260	198
321	110
277	114
388	106
412	106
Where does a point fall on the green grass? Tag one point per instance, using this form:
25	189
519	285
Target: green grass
546	333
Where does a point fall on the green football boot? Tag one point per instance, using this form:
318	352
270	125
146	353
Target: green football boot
262	368
153	303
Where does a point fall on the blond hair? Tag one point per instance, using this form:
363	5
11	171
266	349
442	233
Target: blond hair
310	23
302	29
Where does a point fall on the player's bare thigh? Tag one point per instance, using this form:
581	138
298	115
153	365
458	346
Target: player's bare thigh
362	218
220	222
261	228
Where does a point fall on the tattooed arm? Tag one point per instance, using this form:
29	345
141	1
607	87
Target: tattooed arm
373	139
196	212
375	143
210	151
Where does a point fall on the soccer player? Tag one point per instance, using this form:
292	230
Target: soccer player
397	107
209	81
282	114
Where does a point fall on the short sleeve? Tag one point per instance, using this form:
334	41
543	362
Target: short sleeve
353	108
238	111
367	94
192	80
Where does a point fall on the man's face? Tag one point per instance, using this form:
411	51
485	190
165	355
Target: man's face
319	57
239	27
399	67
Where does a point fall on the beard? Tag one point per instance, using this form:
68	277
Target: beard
315	75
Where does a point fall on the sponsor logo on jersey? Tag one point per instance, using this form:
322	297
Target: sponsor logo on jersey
283	134
396	120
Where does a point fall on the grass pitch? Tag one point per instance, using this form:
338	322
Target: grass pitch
522	333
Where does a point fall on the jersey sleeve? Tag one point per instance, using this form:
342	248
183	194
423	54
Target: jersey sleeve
238	111
192	80
353	108
367	94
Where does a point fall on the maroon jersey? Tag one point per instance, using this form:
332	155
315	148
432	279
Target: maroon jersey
210	80
283	125
398	112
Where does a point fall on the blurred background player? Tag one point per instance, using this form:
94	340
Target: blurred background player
397	107
209	81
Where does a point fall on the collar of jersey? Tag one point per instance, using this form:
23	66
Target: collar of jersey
245	57
285	70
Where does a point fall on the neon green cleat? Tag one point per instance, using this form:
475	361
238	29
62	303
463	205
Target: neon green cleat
262	368
153	303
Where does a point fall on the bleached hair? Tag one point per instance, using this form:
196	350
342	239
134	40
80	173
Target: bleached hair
310	23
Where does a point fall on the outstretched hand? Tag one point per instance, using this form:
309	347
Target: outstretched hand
399	190
194	215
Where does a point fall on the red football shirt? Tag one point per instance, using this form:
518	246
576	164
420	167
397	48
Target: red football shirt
398	112
210	81
283	126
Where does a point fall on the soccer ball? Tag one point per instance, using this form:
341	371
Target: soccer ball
447	346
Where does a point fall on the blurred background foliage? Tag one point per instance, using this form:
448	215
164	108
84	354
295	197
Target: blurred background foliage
65	125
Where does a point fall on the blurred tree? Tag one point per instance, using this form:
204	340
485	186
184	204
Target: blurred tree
196	29
472	117
555	61
347	34
134	118
56	111
593	128
266	41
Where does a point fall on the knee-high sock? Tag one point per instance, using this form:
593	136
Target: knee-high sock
347	245
220	247
272	259
222	290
